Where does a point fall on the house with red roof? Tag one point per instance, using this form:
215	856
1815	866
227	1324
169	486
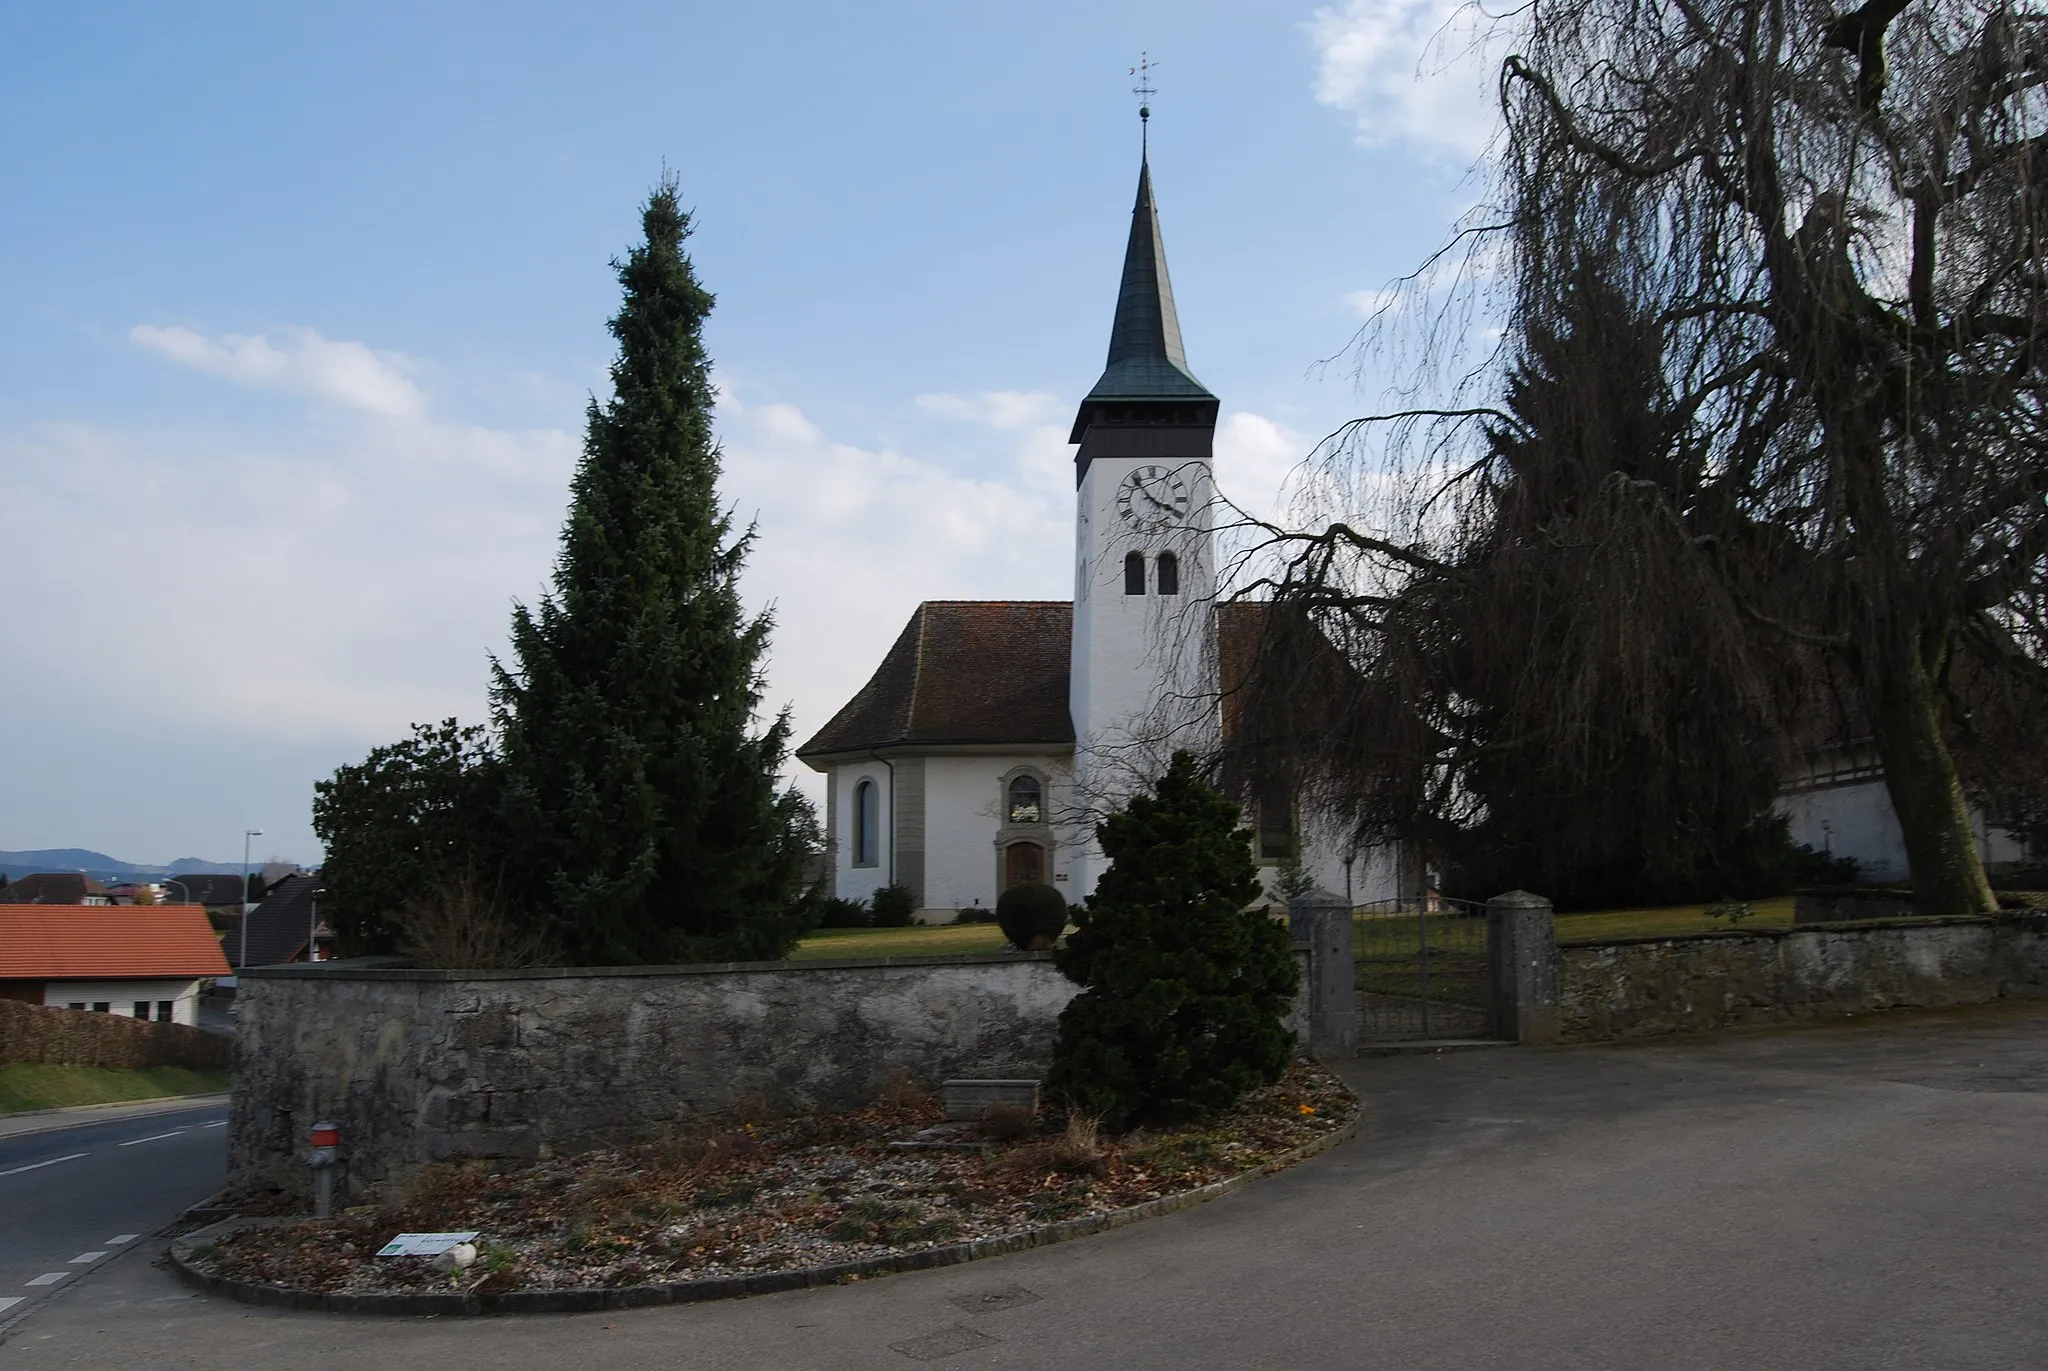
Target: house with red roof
995	734
140	961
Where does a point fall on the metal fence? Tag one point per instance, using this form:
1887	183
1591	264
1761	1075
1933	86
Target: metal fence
1422	970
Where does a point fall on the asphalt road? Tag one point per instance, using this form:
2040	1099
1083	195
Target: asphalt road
75	1198
1870	1198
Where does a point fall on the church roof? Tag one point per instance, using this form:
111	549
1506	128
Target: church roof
996	672
1146	358
962	672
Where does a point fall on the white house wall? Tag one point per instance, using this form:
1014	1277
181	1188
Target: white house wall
120	996
1857	820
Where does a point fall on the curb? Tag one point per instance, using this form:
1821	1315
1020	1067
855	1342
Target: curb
592	1299
75	1115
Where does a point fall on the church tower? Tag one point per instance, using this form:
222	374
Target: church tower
1143	674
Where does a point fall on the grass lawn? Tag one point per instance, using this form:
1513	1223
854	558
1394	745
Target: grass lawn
1684	918
34	1085
919	940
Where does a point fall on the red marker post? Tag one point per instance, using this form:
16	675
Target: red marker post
325	1141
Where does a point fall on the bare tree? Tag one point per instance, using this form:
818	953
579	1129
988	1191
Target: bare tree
1833	227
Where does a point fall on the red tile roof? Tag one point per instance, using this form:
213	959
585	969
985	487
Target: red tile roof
106	942
964	671
996	671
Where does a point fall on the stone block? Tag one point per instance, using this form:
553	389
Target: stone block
967	1100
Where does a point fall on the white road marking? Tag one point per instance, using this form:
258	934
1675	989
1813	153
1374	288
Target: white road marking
8	1302
218	1123
155	1137
33	1165
120	1238
85	1258
49	1278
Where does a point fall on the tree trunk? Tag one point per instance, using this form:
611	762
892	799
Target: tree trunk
1927	794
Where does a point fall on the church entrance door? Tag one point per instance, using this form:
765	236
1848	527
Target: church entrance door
1023	864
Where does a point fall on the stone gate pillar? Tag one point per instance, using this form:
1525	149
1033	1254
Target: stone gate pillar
1521	948
1323	921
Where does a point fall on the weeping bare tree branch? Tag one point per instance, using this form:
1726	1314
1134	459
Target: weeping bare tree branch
1775	311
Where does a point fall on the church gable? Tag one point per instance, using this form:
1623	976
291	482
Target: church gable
982	672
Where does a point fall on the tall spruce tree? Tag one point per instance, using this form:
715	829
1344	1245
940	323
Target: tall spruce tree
1186	988
641	798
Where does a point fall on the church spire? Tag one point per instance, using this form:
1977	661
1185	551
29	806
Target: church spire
1146	358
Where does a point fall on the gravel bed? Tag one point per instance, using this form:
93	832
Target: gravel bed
772	1195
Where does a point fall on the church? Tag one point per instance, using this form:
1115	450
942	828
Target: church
996	733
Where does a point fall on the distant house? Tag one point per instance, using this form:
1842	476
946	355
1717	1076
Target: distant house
57	887
142	961
215	890
282	925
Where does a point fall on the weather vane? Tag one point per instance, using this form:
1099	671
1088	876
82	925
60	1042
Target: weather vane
1144	90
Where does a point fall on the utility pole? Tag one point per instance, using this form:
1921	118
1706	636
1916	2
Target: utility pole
243	960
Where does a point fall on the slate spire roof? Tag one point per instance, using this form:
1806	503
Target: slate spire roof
1146	358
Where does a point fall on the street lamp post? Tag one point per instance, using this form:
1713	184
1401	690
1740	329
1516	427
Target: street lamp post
313	928
173	880
243	961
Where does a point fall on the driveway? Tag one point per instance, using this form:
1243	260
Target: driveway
1869	1196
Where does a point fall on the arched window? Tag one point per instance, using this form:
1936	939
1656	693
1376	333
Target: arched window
866	824
1134	573
1169	574
1026	801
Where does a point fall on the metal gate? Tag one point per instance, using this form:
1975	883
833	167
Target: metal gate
1422	970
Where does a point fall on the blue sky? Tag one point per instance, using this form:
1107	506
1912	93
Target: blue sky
299	311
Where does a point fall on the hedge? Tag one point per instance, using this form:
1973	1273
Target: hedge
71	1037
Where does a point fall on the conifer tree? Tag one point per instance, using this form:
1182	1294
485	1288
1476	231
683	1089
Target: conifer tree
640	797
1186	988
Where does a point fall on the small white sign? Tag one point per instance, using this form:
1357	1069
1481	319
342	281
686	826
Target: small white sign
422	1244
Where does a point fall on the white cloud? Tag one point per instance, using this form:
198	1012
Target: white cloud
344	374
1256	461
1412	71
853	538
1004	409
1370	304
335	583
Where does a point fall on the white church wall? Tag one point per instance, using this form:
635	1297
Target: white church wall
852	881
963	816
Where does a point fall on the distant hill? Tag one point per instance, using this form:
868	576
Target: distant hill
99	865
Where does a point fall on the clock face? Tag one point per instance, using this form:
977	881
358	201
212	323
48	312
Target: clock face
1151	498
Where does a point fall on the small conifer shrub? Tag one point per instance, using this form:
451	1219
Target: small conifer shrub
1185	988
1031	915
892	906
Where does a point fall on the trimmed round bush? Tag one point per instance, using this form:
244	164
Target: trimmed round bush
1031	915
892	906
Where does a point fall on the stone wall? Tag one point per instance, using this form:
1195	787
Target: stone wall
1636	987
425	1066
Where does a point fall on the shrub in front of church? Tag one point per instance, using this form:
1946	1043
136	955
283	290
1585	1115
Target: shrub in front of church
1032	915
892	907
1185	988
837	913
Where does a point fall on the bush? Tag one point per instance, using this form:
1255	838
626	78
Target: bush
974	914
464	924
893	905
1032	915
74	1037
837	913
1185	988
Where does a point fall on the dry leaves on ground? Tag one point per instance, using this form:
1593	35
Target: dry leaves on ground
771	1194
